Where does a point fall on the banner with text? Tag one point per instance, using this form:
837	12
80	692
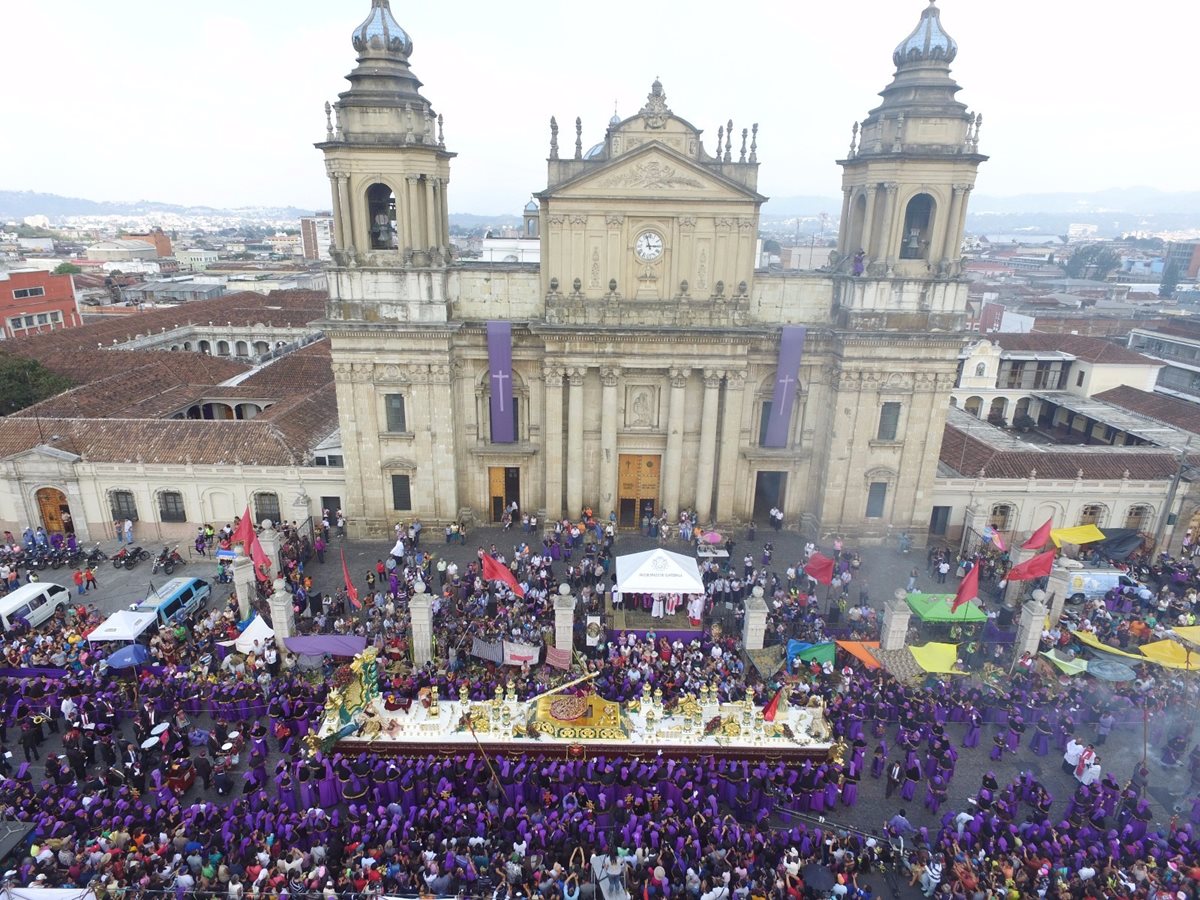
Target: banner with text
787	384
499	341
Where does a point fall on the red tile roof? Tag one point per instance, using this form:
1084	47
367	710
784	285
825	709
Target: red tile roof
968	456
1088	349
1160	407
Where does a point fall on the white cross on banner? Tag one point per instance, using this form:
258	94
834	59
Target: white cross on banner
518	654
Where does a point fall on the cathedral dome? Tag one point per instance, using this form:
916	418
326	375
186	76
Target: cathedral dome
928	41
381	32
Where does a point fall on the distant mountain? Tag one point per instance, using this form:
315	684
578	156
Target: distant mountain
471	220
18	204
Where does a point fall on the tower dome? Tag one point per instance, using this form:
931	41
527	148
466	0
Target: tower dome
380	32
928	41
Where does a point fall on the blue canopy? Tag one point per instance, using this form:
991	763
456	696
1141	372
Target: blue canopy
129	655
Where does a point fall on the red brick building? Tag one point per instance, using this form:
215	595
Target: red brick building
161	242
33	302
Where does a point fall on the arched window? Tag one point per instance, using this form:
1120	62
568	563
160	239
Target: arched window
918	228
1139	517
1093	514
858	215
381	210
974	406
222	348
123	506
205	347
981	370
266	506
170	507
242	349
1002	517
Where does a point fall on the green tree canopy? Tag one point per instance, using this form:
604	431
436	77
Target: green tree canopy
1092	261
67	268
1169	281
26	382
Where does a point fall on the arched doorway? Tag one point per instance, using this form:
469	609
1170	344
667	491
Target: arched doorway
55	513
381	212
858	216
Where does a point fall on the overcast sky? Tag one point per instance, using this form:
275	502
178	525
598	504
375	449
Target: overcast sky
218	102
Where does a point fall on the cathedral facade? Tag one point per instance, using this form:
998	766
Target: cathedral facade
645	364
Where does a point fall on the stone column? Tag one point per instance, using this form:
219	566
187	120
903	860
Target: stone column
608	439
1014	589
430	215
413	241
553	443
674	459
896	614
948	251
443	235
731	439
564	618
708	445
893	223
335	187
1029	631
844	223
872	194
420	609
754	626
1058	588
243	580
347	239
269	539
283	616
575	443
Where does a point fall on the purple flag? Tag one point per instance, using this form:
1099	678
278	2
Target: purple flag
791	347
499	339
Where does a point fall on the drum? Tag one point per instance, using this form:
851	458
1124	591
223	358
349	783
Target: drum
160	728
149	743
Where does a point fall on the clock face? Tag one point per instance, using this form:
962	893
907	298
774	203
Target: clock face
649	246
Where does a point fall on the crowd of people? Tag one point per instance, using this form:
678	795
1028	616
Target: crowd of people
102	781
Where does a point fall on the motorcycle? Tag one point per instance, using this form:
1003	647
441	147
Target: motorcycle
128	557
96	554
118	558
168	560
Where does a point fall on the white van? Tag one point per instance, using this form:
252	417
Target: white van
33	603
176	600
1089	584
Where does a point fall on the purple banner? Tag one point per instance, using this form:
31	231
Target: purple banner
787	383
499	339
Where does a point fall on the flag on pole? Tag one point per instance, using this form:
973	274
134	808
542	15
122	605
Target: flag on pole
494	570
351	590
770	710
1038	539
1038	567
997	540
968	589
245	535
820	567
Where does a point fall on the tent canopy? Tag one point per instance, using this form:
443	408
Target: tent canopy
937	657
124	625
257	630
1069	666
861	650
1079	534
803	651
936	608
658	572
320	644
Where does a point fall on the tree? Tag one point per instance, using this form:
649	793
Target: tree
1169	281
1092	261
67	269
26	382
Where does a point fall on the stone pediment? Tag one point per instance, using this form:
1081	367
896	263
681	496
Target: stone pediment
44	453
653	170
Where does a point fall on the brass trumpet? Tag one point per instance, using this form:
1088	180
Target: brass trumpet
39	719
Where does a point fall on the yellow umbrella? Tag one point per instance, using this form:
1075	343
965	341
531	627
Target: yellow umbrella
1079	534
937	657
1172	655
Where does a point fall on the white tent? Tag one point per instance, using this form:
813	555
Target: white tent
257	630
124	625
658	572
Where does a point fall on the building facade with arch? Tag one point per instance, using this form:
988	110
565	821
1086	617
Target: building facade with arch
645	346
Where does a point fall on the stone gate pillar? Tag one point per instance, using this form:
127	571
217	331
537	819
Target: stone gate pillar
1058	588
270	541
564	619
420	608
1014	589
896	615
242	571
1029	631
283	615
754	627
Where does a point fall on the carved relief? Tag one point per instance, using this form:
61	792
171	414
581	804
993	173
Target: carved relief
614	219
641	406
651	175
726	224
556	220
579	220
609	376
687	221
702	270
595	271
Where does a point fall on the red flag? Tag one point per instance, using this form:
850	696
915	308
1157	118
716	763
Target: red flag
1038	539
772	708
968	589
494	570
820	567
351	590
245	535
1038	567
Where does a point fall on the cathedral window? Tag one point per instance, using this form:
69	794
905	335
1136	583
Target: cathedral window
401	493
918	228
763	422
381	211
266	506
876	497
889	422
396	420
123	506
170	507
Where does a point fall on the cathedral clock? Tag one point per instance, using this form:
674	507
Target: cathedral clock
648	246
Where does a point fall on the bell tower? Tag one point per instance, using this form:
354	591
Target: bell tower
911	167
388	170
